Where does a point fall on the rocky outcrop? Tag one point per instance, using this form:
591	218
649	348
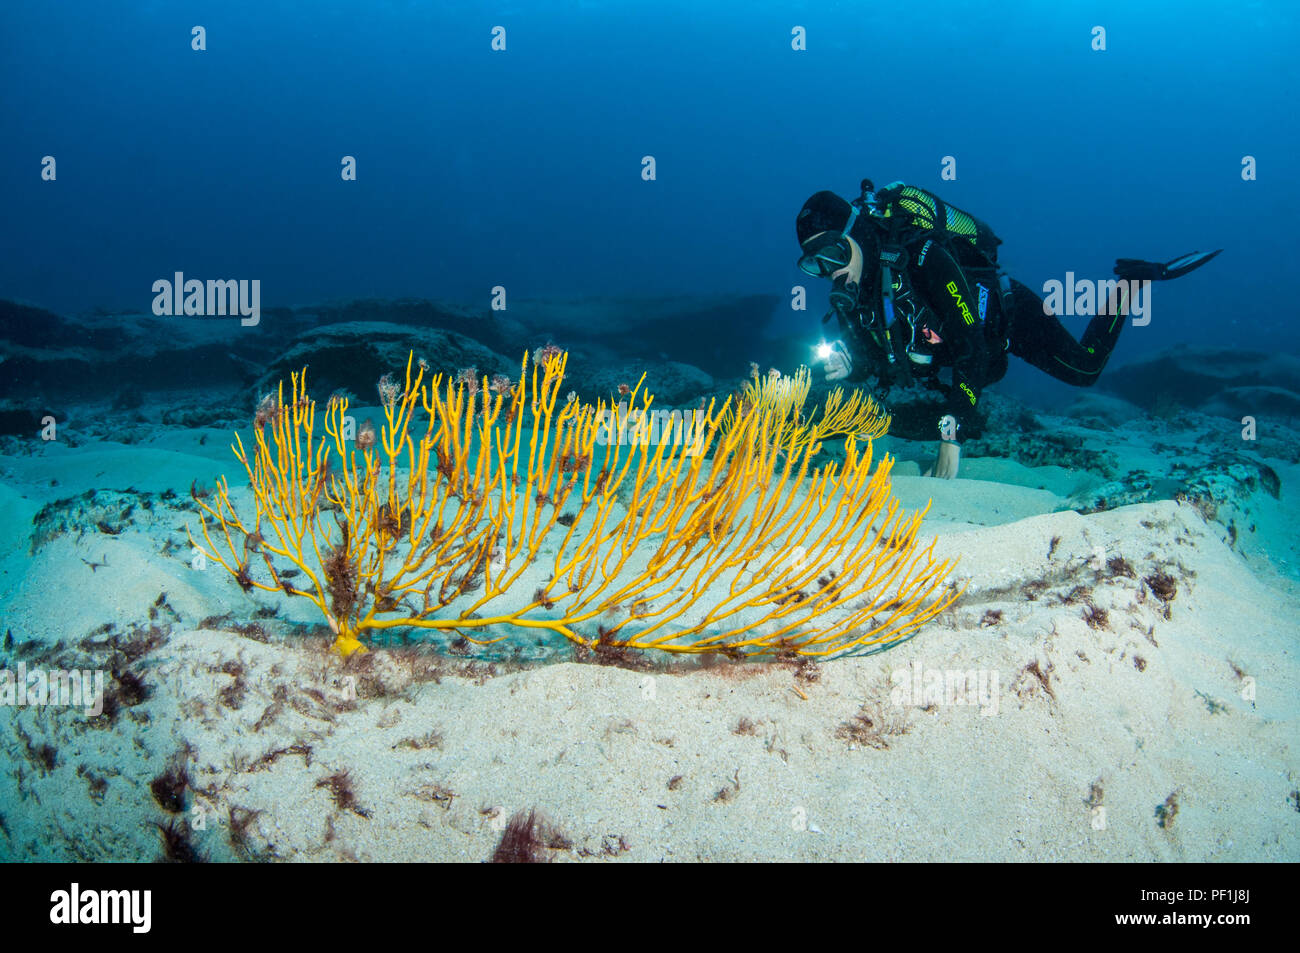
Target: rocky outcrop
354	355
1102	411
672	383
1238	402
1220	381
716	334
681	343
105	354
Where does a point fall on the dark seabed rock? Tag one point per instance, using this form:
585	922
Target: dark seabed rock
1273	402
497	330
672	384
25	326
715	333
1102	411
135	358
105	355
20	418
1215	380
1219	484
353	356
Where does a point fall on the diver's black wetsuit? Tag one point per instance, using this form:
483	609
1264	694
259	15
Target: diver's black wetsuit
957	316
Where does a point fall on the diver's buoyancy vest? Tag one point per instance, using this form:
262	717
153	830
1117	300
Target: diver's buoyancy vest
911	210
909	215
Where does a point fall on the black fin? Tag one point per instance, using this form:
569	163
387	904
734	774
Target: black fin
1181	266
1135	269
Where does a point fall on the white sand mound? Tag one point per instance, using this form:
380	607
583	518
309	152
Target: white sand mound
1107	716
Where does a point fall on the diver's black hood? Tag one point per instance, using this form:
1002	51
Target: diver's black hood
823	212
828	212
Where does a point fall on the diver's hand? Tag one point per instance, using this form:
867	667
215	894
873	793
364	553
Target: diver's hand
838	363
945	465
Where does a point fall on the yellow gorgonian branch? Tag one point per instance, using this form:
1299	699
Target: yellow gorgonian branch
483	509
860	416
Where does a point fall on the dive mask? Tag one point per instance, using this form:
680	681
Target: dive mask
838	258
825	254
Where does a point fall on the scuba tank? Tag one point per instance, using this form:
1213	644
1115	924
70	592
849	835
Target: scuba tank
906	215
910	210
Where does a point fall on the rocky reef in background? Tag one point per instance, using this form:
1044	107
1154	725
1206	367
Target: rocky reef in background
688	346
1223	382
685	345
122	377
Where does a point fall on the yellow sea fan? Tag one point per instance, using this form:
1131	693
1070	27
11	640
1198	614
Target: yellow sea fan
521	511
860	416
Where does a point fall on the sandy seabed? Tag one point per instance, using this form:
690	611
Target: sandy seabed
1105	717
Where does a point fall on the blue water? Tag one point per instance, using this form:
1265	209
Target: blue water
523	168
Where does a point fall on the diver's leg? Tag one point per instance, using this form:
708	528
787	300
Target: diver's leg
996	337
1038	336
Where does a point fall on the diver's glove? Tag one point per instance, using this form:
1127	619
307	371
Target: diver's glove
1135	269
838	363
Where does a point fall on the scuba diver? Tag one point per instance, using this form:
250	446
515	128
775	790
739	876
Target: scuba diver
916	287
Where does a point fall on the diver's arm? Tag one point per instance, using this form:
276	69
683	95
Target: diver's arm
946	463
